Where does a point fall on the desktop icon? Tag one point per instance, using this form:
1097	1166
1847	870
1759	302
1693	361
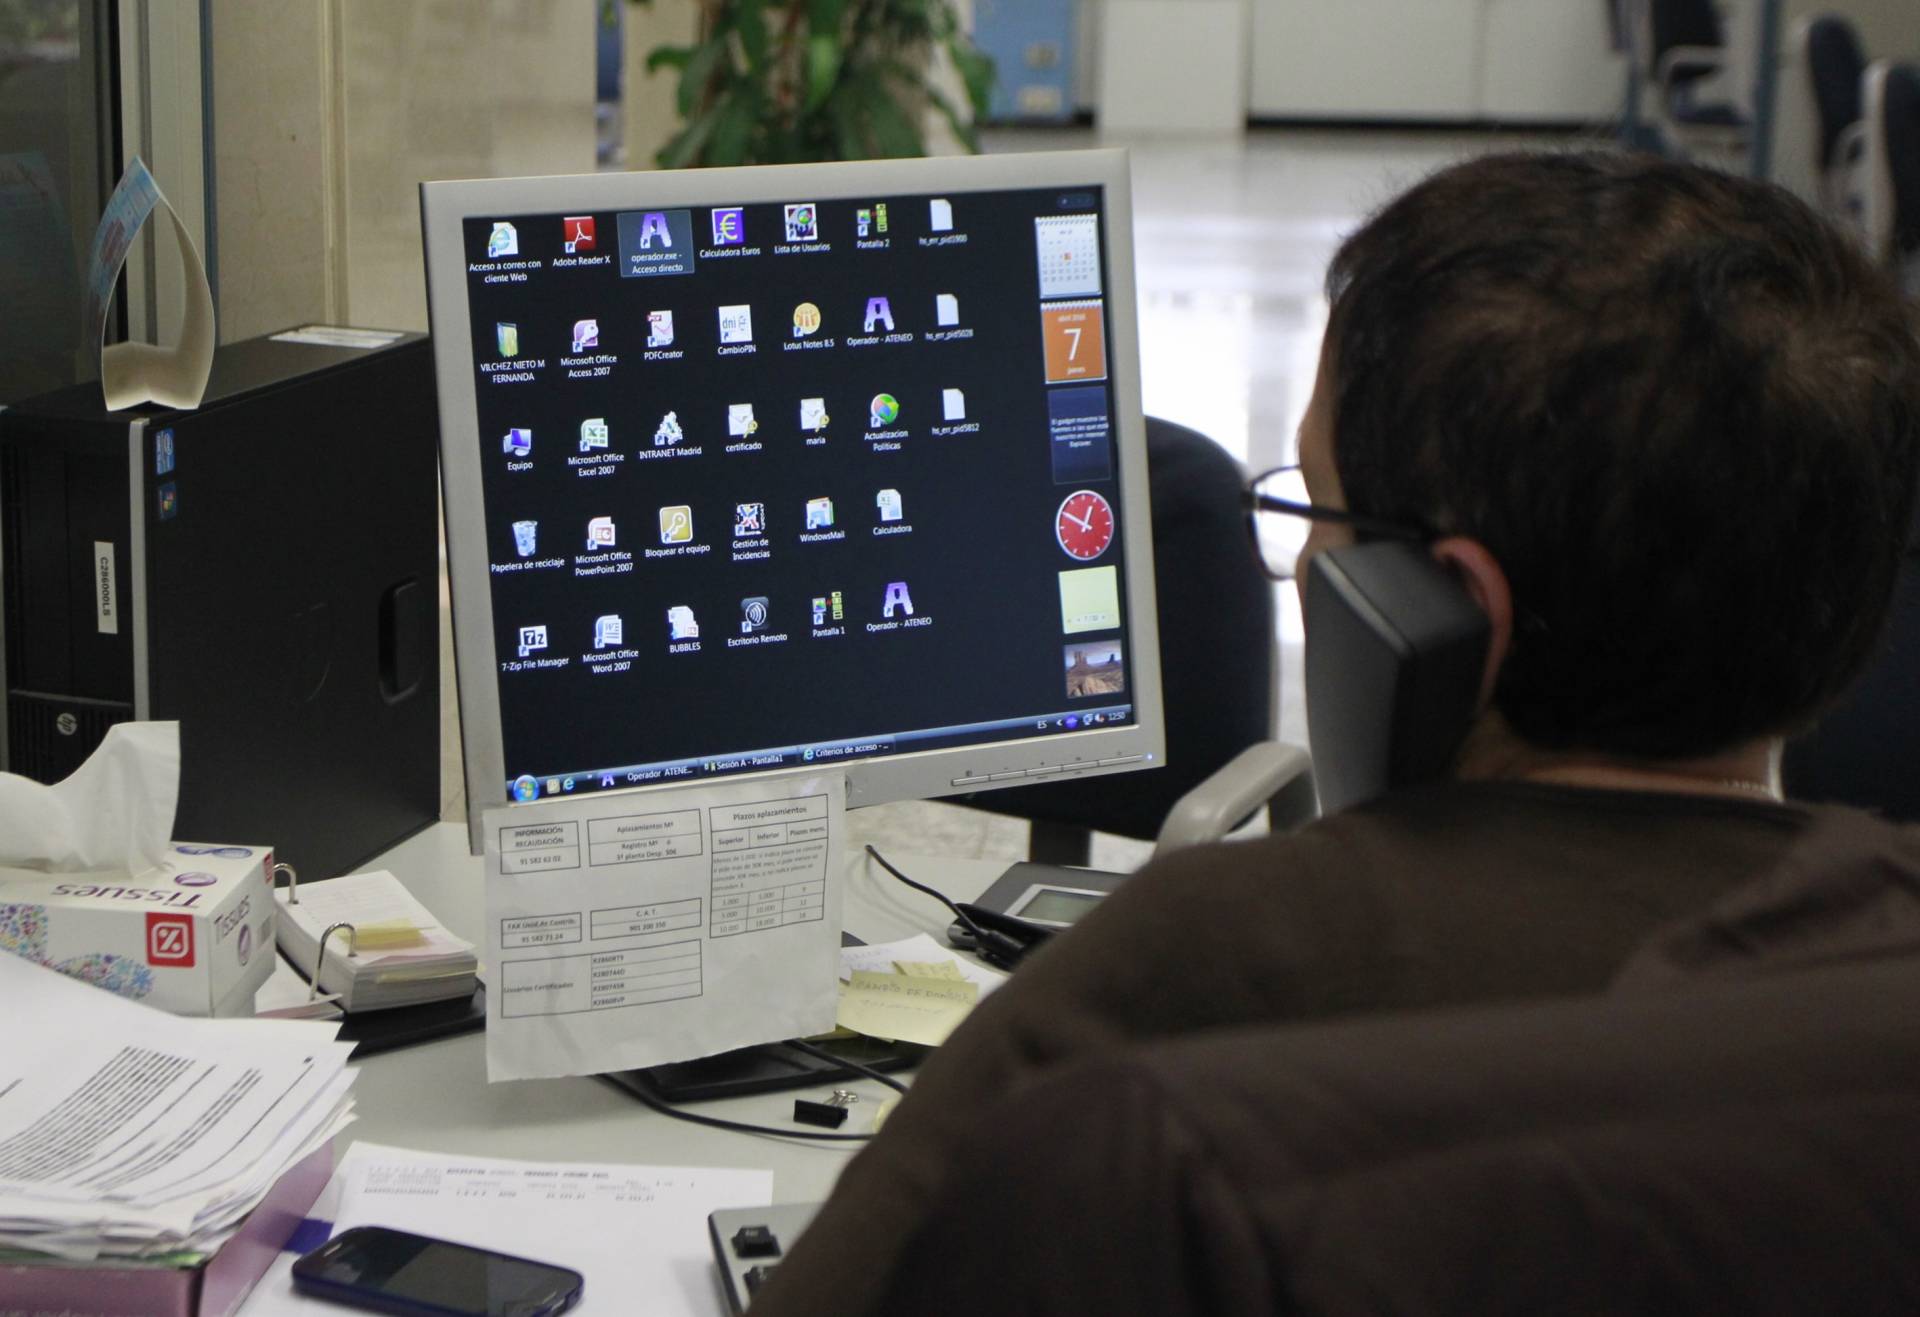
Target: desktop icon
813	414
896	597
586	334
803	222
736	324
953	404
669	432
576	234
753	614
600	534
819	513
518	442
806	320
946	310
659	329
676	524
880	314
729	226
829	606
525	537
507	337
740	422
608	631
526	788
593	433
532	638
681	624
654	227
888	502
749	519
940	215
883	410
503	241
553	786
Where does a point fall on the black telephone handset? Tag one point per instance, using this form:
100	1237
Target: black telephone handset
1395	652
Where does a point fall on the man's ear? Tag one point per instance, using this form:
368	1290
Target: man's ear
1485	582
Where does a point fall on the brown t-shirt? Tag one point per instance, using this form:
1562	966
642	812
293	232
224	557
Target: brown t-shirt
1447	894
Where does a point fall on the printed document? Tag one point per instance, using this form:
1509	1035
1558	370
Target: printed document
627	931
638	1234
125	1131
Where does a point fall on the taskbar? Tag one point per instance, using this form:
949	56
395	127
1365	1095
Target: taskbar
529	787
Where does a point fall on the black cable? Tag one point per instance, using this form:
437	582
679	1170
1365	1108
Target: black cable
865	1071
990	944
739	1126
966	921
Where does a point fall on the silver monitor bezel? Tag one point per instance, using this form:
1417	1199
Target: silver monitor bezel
913	775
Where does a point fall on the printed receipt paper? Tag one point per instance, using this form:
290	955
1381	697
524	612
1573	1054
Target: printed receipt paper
633	930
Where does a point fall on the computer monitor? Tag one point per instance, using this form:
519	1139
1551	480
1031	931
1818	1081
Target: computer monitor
780	469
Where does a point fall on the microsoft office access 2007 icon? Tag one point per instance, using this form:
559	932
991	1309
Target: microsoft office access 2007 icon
170	940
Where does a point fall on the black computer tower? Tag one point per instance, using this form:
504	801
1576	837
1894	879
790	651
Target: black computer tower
263	569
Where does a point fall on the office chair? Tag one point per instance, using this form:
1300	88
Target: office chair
1692	91
1217	674
1888	178
1819	131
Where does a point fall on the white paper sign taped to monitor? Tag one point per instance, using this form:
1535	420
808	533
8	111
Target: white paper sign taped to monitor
635	930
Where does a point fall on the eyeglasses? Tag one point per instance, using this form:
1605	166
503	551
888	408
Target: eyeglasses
1278	513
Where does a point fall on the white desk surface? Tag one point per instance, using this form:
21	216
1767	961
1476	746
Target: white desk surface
435	1096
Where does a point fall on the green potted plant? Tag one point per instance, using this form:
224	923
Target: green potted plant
779	81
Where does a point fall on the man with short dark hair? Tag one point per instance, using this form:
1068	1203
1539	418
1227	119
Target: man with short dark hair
1662	425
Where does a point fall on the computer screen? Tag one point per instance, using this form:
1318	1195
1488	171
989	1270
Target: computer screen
772	469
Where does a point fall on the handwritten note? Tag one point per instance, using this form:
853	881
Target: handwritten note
907	1009
930	969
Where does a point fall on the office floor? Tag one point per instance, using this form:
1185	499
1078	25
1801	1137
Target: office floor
1231	245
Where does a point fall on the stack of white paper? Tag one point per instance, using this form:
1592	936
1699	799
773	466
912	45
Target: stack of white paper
127	1132
400	955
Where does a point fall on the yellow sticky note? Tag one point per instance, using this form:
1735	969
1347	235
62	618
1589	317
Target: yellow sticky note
930	969
395	935
911	1010
1089	600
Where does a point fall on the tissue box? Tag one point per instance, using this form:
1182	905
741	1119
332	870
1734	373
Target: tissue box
194	936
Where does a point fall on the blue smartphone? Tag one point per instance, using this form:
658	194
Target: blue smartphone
393	1271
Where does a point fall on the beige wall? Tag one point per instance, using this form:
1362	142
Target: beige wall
329	113
1887	27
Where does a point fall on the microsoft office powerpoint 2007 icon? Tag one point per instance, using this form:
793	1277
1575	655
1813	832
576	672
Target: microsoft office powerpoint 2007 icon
170	940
